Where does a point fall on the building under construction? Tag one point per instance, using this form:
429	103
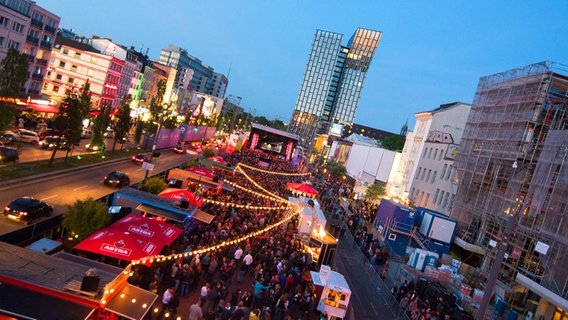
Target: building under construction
513	163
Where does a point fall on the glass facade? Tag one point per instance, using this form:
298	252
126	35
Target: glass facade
332	83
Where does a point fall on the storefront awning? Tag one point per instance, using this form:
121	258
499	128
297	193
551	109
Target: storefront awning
43	108
131	302
163	213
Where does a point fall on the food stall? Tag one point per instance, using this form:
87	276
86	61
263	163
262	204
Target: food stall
332	291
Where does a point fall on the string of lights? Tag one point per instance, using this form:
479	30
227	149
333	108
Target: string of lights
257	185
273	172
292	211
236	205
254	192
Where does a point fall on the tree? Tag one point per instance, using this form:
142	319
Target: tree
154	185
74	108
84	217
375	192
13	75
123	124
393	143
278	124
335	169
100	124
208	152
261	120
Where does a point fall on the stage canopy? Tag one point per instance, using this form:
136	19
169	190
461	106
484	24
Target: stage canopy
123	245
128	301
151	229
177	194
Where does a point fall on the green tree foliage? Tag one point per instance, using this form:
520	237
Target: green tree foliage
278	124
123	124
208	152
84	217
393	143
154	185
375	192
156	107
262	120
13	74
335	169
74	108
100	124
138	131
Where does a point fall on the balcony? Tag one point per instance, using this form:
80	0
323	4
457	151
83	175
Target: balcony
50	29
42	62
37	23
36	76
32	40
33	92
45	45
30	58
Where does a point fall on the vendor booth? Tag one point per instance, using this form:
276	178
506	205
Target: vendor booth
332	292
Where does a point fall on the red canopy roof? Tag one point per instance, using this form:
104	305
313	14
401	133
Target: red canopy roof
148	228
176	195
202	172
301	188
121	245
218	160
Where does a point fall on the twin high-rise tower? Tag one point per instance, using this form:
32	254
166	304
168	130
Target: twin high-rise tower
332	83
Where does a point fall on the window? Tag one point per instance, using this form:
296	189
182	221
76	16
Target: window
18	27
65	51
62	64
434	176
425	152
71	80
55	89
77	54
446	200
3	22
45	86
13	44
436	196
427	198
429	173
444	171
441	197
430	153
440	155
47	39
90	73
58	77
448	173
74	67
435	153
1	42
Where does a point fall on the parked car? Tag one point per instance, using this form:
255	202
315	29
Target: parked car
117	179
86	134
25	135
27	209
53	142
92	147
8	138
140	158
9	154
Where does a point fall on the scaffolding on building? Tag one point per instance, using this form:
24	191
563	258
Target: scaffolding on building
513	161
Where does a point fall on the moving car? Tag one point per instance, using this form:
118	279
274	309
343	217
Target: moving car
93	147
27	209
86	134
117	179
24	135
53	142
9	155
140	158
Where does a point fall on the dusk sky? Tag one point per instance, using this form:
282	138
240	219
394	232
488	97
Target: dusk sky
431	52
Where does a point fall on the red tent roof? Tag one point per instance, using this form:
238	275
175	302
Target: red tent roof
148	228
121	245
176	195
218	160
301	188
202	172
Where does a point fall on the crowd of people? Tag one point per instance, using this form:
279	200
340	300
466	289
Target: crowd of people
263	277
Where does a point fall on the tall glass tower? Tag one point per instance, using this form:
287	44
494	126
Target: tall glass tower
332	83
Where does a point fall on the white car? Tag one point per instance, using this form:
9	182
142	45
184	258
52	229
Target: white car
109	134
28	136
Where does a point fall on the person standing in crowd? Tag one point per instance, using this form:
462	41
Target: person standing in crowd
195	312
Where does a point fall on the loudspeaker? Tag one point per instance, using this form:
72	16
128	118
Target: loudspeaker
90	283
184	203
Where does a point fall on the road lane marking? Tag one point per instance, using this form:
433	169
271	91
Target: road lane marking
47	198
83	187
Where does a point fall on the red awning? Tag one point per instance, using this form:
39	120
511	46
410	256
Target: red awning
43	108
301	188
121	245
148	228
176	195
202	172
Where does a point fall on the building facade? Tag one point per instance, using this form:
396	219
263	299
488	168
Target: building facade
436	143
513	162
193	75
31	30
332	84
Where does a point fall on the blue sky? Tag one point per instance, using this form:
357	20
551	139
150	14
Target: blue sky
431	52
